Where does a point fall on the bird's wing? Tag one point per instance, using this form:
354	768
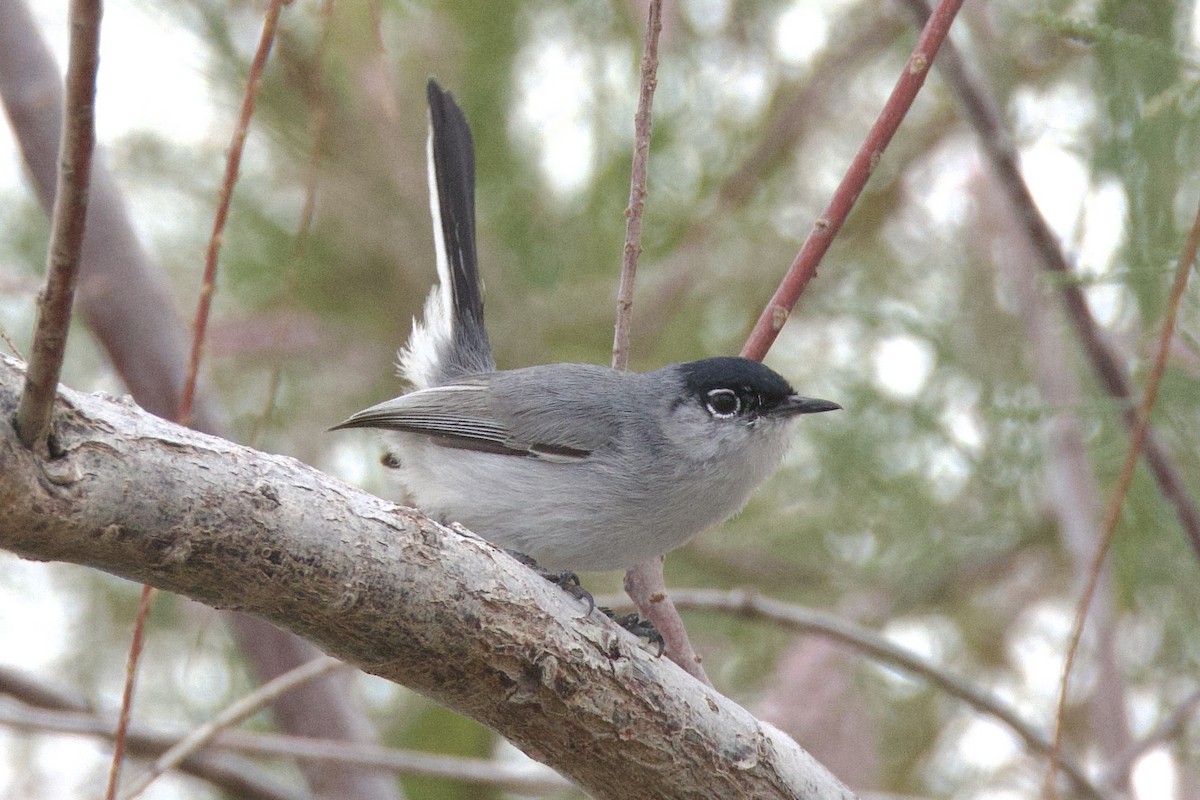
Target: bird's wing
461	415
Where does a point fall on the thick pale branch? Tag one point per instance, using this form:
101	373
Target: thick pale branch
386	589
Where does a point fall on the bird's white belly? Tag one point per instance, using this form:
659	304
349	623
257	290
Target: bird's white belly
565	515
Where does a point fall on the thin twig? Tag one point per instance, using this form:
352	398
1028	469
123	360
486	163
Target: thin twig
1169	727
804	620
121	294
232	715
1124	481
983	113
12	346
645	583
1072	493
804	268
66	226
232	165
511	777
131	672
386	92
231	775
317	124
637	185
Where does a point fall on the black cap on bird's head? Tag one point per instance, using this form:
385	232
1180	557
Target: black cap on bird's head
731	386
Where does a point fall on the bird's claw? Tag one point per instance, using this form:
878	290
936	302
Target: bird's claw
641	628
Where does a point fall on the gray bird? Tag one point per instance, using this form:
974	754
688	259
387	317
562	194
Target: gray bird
578	466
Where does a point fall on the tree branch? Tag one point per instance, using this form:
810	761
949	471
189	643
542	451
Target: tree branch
233	162
66	226
388	590
637	185
227	751
807	621
237	711
804	268
44	708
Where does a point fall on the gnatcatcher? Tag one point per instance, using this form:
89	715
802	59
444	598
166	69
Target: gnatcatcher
578	466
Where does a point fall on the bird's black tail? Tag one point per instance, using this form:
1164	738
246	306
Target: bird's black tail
465	349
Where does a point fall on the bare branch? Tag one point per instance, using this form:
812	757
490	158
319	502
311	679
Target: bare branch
804	268
388	590
1071	492
318	123
645	582
804	620
867	29
637	185
121	293
236	712
1141	427
132	662
66	226
59	710
510	777
184	415
233	163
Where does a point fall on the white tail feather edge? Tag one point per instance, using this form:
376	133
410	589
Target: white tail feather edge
420	359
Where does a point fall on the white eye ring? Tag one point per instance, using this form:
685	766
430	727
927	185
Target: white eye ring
723	403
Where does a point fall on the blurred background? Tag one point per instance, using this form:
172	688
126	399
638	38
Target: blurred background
953	506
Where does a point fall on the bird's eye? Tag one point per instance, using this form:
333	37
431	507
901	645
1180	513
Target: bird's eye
723	403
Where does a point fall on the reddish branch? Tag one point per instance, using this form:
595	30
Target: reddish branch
1141	428
318	122
637	185
829	223
132	660
66	226
232	166
645	583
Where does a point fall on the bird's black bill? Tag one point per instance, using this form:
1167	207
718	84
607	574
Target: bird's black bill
795	404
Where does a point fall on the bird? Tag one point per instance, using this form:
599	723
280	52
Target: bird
579	467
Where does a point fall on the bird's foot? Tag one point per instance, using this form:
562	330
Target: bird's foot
569	582
566	580
641	628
